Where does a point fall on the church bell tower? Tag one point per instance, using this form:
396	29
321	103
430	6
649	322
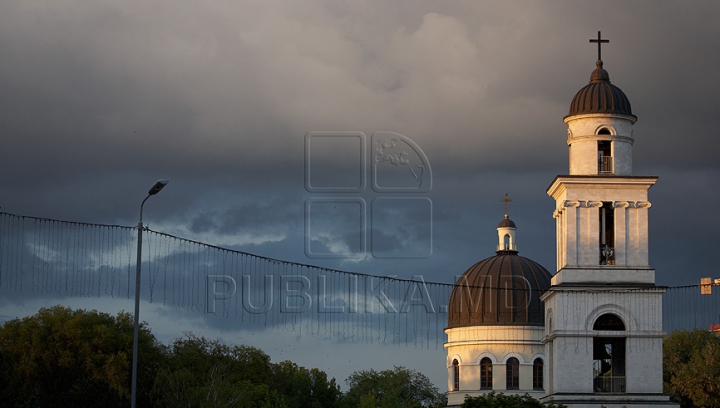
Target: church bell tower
603	324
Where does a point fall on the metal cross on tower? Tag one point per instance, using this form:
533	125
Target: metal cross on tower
599	42
507	200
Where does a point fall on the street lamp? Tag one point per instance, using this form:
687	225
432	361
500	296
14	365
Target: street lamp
154	190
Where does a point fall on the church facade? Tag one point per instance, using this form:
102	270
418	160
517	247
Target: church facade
496	324
598	342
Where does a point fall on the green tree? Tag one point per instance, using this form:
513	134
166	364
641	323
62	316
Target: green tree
396	388
305	388
203	373
494	400
200	355
64	357
691	368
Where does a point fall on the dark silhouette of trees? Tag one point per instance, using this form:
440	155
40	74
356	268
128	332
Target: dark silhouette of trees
396	388
691	368
305	388
494	400
61	357
206	373
65	357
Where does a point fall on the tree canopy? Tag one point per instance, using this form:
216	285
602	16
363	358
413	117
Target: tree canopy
495	400
206	373
65	357
691	368
396	388
304	387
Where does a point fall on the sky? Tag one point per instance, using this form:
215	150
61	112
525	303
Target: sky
278	120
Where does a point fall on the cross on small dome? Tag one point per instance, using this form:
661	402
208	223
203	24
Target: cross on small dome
507	200
599	42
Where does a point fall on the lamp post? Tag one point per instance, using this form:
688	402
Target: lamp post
136	331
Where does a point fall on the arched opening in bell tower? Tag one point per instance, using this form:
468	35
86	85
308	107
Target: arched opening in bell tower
607	234
609	356
605	158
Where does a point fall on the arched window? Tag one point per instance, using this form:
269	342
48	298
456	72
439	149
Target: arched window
506	242
456	375
538	374
609	356
604	131
512	367
609	321
486	374
605	160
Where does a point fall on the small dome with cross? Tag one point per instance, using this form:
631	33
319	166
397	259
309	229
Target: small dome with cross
507	222
600	96
501	290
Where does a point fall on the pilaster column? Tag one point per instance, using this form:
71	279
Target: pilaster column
621	232
571	232
590	248
559	215
641	212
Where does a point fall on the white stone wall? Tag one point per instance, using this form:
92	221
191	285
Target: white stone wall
583	140
569	345
577	214
510	232
622	157
583	155
471	344
590	123
646	360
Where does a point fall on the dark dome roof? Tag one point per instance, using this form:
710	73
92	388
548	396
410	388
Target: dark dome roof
600	96
502	290
507	222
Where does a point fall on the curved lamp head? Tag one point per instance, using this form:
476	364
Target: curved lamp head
157	187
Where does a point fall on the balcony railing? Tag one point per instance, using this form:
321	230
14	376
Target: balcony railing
605	164
609	384
506	247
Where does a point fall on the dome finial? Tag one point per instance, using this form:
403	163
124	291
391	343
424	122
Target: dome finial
507	200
